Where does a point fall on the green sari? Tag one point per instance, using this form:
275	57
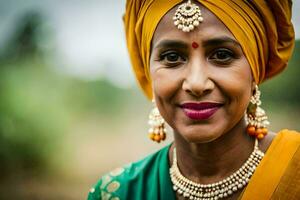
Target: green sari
149	179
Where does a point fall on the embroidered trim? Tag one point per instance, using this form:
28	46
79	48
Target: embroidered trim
109	185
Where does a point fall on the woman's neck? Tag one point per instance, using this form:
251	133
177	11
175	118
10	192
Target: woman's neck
211	162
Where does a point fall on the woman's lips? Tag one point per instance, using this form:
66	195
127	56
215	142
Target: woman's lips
200	111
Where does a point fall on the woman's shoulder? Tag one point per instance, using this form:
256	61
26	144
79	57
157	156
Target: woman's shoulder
286	135
285	163
282	138
278	144
122	181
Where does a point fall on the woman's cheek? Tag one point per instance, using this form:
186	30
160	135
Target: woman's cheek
238	77
165	82
236	84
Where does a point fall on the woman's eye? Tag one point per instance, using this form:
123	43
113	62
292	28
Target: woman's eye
171	58
222	56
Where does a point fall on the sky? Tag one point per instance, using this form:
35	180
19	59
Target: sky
88	35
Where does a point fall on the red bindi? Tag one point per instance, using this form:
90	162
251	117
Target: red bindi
195	45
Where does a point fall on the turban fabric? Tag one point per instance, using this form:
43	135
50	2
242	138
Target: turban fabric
262	27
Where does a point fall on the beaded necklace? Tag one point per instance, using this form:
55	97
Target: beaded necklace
218	190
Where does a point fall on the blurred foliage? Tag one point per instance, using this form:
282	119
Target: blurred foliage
27	38
285	88
37	104
31	115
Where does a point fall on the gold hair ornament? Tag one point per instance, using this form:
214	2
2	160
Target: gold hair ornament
187	16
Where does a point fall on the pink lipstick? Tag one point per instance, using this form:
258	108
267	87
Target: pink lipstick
201	110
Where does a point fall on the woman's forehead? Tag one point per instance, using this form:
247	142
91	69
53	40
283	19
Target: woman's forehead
210	27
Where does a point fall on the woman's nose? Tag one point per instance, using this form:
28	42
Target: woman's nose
197	80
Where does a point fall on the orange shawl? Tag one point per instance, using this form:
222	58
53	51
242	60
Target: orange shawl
278	174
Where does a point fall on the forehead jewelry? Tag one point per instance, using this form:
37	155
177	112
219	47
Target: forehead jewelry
187	16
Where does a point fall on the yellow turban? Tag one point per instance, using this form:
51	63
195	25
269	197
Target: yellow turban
266	22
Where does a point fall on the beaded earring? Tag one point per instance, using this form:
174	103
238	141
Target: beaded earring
157	131
256	117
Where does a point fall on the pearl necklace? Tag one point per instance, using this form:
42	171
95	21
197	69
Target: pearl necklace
221	189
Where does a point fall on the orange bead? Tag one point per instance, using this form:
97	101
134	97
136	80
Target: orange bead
264	131
260	136
251	130
259	131
157	138
151	136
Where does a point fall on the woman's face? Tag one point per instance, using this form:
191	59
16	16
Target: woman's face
202	92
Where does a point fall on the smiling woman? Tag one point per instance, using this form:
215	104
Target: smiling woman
201	62
204	90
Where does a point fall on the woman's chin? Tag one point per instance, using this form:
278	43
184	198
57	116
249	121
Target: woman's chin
200	135
200	139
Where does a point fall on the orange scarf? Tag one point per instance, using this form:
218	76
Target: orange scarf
278	174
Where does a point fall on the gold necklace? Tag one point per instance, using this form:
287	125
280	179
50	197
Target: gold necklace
218	190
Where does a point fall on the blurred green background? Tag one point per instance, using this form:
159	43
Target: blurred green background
59	131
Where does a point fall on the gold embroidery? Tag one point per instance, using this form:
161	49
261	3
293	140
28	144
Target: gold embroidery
105	180
92	190
117	172
108	186
113	186
105	195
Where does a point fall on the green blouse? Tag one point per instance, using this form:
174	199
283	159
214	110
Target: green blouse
146	179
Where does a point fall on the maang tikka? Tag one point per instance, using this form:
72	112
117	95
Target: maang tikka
256	117
187	16
157	131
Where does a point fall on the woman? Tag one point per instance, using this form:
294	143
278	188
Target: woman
201	62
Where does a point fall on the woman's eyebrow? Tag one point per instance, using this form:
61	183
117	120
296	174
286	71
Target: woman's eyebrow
171	44
210	42
220	40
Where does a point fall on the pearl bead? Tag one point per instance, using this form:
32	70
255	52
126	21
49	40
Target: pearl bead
196	23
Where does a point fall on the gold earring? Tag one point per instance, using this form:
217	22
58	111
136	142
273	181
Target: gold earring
157	131
256	117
